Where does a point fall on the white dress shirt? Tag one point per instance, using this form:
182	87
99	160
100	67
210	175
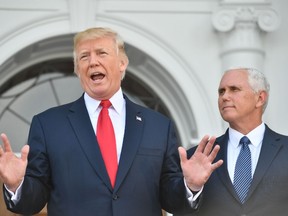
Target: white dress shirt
117	113
233	149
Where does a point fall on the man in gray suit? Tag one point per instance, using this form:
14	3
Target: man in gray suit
243	96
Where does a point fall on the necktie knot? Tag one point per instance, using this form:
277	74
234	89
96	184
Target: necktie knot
105	103
245	141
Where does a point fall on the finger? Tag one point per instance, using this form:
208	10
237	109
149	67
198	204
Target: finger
6	143
209	145
214	153
1	151
182	154
202	144
25	152
217	164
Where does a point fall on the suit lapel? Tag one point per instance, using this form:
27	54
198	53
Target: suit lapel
132	137
222	171
270	147
269	150
83	129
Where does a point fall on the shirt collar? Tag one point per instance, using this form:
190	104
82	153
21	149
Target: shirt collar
255	136
117	101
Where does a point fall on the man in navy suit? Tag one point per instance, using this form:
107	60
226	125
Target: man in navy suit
65	167
243	97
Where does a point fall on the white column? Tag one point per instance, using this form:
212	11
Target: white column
82	14
241	28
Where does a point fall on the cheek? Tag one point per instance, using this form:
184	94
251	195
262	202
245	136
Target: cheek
82	63
220	101
82	70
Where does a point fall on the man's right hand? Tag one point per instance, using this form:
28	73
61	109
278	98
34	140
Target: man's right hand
198	168
12	168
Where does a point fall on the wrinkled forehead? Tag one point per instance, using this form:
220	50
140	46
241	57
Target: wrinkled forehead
235	76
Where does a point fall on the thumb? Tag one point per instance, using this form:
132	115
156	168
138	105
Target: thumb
182	154
24	152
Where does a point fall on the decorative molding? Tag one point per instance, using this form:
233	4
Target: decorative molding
242	28
268	20
226	19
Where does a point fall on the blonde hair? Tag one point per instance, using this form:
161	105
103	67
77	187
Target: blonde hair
100	32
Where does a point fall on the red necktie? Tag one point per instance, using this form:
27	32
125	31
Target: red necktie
106	140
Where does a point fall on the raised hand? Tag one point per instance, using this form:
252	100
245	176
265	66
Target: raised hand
12	168
198	168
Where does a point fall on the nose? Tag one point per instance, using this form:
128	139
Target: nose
94	60
225	96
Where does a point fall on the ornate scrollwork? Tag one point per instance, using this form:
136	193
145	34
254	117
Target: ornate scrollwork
226	19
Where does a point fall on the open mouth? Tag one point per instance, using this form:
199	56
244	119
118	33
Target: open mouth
97	76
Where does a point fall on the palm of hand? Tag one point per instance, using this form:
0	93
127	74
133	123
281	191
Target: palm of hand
199	167
12	168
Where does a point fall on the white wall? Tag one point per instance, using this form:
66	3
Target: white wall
276	69
178	34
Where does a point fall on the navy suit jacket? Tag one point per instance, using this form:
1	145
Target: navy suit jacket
66	168
268	194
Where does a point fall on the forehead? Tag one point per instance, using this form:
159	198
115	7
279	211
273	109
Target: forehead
234	78
96	43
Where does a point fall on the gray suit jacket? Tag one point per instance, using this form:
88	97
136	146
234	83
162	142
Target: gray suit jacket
268	194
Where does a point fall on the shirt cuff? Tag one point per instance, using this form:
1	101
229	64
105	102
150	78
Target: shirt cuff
192	198
15	197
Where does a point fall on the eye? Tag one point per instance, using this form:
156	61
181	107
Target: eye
83	57
234	88
103	53
221	91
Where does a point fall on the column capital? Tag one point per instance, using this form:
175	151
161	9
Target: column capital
227	18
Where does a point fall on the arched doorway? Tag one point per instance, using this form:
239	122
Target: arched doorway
41	75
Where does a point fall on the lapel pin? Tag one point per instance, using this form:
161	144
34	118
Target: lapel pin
138	118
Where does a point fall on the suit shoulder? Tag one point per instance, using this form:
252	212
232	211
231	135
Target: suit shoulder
270	132
154	113
57	110
146	111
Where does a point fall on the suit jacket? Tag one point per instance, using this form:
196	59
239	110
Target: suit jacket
66	168
268	193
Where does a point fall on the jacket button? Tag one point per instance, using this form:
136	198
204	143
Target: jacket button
115	197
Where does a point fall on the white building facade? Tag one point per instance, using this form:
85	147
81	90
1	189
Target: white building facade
178	51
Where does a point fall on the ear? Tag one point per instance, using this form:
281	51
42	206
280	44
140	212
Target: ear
262	98
76	69
77	74
123	63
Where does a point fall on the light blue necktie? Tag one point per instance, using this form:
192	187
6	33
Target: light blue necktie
243	173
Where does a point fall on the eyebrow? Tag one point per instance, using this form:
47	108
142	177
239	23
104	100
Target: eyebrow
230	87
